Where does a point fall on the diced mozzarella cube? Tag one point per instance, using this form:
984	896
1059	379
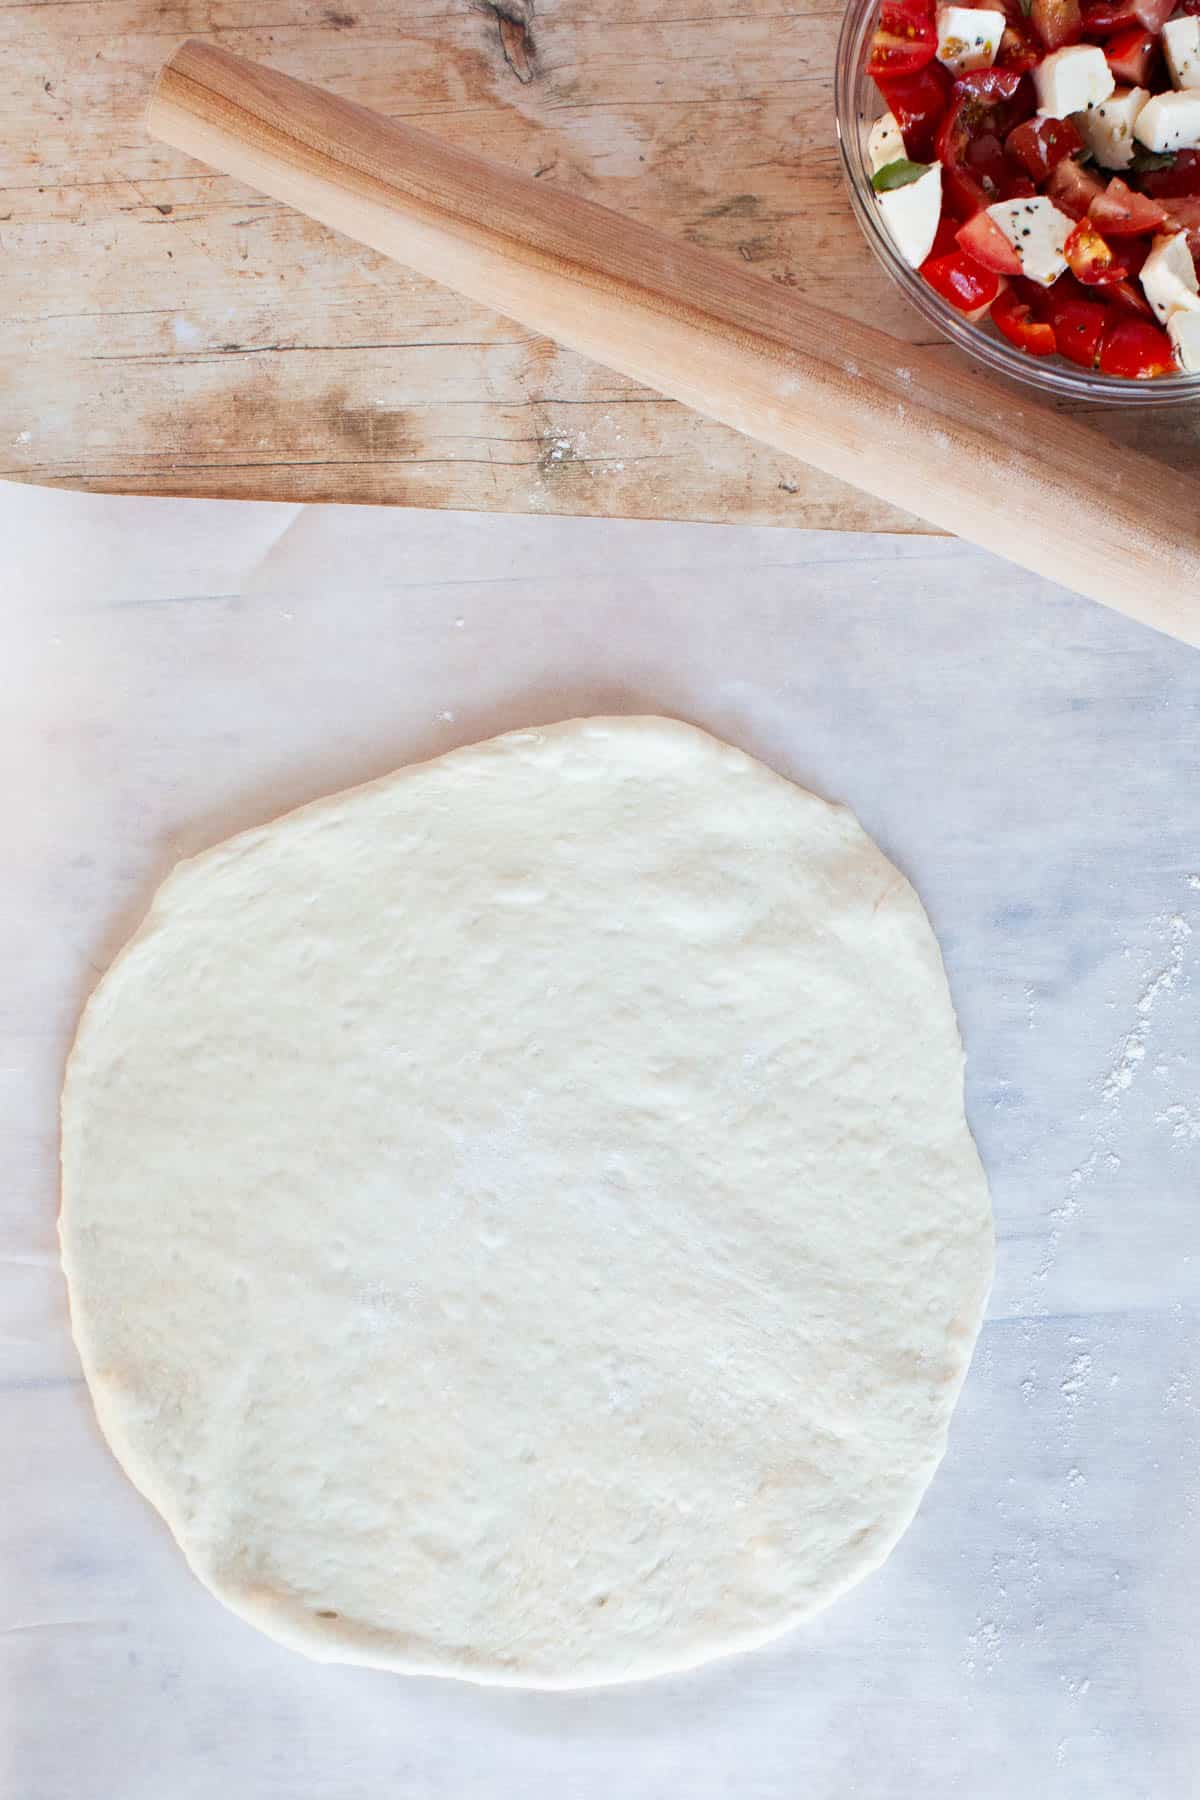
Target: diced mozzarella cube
884	143
1183	329
911	214
1072	80
1037	230
1108	129
1181	41
968	37
1170	121
1169	277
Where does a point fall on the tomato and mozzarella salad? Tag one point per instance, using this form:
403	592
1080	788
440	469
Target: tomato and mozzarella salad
1039	164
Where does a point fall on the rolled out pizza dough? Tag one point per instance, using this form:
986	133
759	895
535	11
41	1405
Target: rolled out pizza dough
519	1215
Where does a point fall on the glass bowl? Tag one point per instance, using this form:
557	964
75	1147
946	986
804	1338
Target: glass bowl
858	103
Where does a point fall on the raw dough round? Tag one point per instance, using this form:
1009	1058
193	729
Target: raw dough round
519	1215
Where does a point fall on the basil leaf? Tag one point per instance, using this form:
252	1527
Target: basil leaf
898	174
1144	161
1027	7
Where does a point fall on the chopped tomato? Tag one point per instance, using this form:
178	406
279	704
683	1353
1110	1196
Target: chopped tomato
961	281
1039	145
1133	252
979	102
1091	259
1103	17
905	38
1019	49
1057	22
1015	319
1000	179
1177	182
983	240
984	130
1129	296
945	238
1120	212
918	104
1136	349
1044	300
967	191
1079	327
962	195
1073	188
1131	54
1185	216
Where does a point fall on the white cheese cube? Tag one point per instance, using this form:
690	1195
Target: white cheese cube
1108	129
911	214
1169	277
1181	41
1170	121
1037	230
968	37
1183	329
1072	80
884	143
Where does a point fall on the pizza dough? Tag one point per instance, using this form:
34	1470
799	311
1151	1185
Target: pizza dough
519	1215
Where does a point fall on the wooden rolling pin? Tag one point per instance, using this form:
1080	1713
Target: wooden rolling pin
968	454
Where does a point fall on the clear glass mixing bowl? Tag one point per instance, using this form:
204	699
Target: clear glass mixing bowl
858	104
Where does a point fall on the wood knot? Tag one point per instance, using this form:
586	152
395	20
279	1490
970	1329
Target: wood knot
514	23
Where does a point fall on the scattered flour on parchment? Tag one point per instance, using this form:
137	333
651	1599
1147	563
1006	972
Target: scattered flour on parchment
1181	1121
1067	1384
1132	1052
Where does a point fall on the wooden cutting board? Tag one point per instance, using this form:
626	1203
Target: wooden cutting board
164	330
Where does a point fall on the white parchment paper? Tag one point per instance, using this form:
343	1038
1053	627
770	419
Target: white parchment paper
174	670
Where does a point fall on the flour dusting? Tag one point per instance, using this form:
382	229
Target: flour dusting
1133	1047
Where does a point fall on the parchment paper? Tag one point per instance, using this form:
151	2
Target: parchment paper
175	670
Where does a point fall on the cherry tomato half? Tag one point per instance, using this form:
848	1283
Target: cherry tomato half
1014	319
984	106
1136	349
1092	260
961	281
905	38
918	104
1079	327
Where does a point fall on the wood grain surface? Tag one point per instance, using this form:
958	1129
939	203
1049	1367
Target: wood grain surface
165	330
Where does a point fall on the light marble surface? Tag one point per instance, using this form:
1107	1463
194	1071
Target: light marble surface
173	670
